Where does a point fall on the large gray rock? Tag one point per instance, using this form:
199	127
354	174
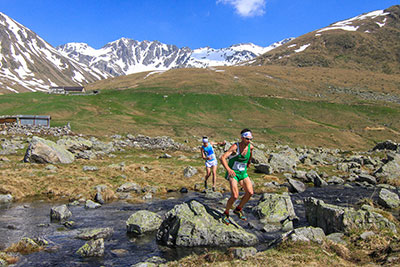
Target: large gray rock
258	157
95	233
390	170
307	234
275	208
366	178
129	187
6	198
92	248
45	151
143	221
388	199
75	144
284	161
194	224
333	218
189	171
296	186
60	213
263	168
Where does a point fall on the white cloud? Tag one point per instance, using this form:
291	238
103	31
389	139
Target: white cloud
246	8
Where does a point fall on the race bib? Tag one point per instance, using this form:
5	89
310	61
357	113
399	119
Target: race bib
239	166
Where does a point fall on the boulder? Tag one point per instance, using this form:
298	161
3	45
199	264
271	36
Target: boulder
143	221
189	171
75	144
333	218
388	199
335	180
193	224
89	204
258	157
7	198
275	208
92	248
366	178
60	213
296	186
284	161
45	151
128	187
243	253
95	233
263	168
307	234
336	238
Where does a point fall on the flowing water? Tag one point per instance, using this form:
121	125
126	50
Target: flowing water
33	220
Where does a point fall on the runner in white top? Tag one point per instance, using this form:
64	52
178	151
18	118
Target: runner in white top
211	162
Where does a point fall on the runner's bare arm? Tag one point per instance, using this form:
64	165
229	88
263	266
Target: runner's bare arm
251	155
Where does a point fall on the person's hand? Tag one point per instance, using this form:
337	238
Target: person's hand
231	173
208	158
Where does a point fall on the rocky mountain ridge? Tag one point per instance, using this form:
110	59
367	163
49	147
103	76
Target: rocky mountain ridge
127	56
29	63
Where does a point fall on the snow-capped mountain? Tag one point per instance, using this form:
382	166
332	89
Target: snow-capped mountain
28	63
126	56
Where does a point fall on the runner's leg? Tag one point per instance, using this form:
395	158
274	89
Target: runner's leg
234	194
248	188
214	174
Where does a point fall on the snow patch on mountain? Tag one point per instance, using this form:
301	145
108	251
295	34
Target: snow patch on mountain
346	25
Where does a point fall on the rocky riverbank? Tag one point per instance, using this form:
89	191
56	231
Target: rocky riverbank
89	173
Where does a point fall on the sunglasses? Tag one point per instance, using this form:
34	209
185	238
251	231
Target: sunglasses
248	138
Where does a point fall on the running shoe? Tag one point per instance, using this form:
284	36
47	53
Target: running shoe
240	214
225	219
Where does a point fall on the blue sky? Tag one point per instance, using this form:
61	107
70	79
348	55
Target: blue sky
191	23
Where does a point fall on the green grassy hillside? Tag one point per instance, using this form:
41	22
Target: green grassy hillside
184	116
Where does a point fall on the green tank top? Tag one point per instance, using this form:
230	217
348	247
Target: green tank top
238	163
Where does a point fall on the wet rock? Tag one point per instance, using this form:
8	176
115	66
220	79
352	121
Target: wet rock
335	180
92	248
243	253
388	199
334	219
319	182
45	151
307	234
390	170
189	171
91	204
296	186
129	187
194	224
183	190
301	175
6	199
95	233
151	262
210	194
143	221
275	208
366	178
60	213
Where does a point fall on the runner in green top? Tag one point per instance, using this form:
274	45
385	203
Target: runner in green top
236	161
